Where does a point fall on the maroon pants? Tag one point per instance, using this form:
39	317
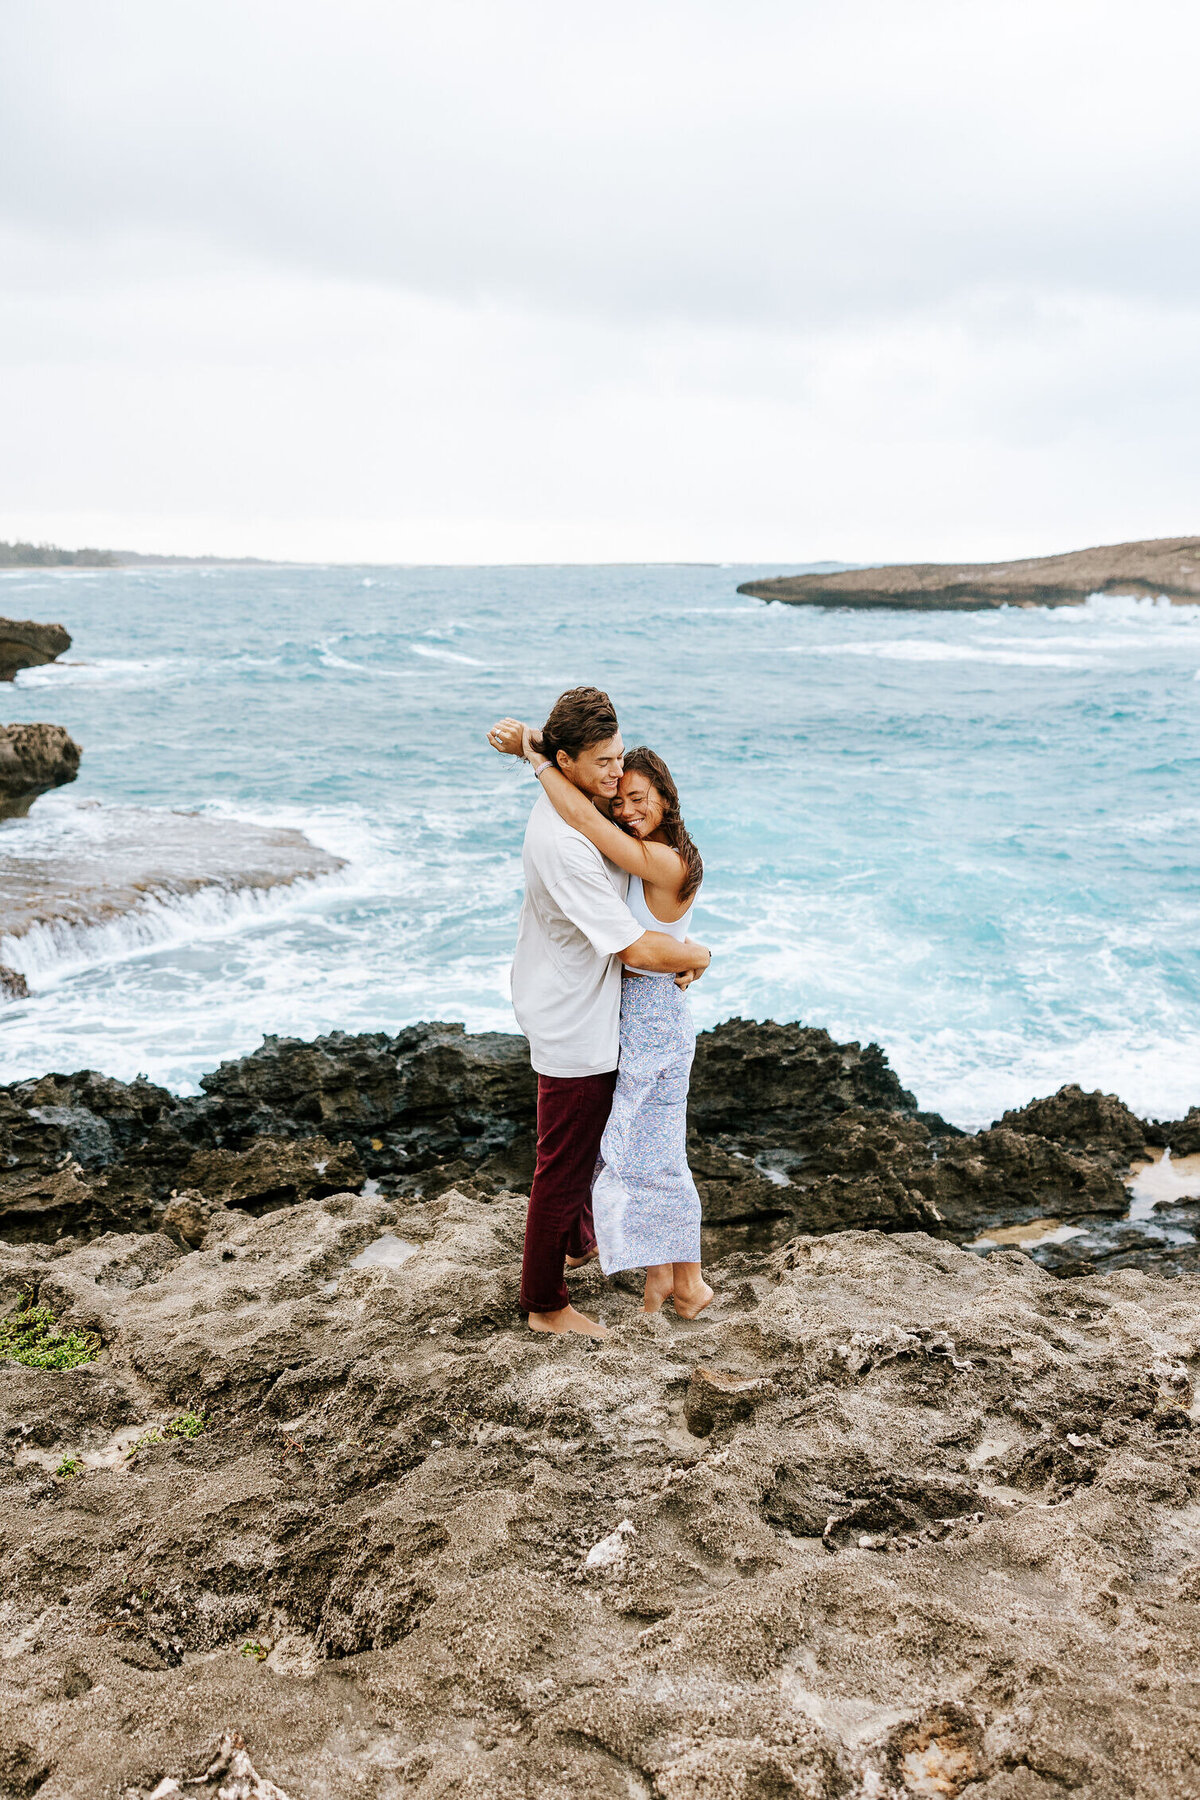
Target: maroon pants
571	1115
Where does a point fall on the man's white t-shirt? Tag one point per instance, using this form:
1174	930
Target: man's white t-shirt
566	980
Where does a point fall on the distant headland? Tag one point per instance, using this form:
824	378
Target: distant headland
50	556
1167	567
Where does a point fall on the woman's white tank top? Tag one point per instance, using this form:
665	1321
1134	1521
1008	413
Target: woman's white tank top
635	900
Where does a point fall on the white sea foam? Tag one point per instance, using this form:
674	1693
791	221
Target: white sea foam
109	673
932	650
332	660
453	656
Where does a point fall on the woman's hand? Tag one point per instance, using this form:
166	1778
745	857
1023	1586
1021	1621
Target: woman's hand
507	736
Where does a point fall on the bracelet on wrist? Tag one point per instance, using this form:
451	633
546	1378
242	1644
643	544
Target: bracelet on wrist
539	768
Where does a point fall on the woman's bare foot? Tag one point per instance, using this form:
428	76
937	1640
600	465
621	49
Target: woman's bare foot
692	1292
578	1262
567	1319
659	1287
687	1309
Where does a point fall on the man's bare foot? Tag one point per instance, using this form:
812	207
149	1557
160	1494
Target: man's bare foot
694	1301
578	1262
659	1287
567	1319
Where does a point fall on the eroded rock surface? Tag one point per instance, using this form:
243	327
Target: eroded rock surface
33	759
890	1520
24	644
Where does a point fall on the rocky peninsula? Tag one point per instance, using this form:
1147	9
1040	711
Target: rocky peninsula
1167	567
288	1490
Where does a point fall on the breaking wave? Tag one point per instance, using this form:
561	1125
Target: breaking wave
57	948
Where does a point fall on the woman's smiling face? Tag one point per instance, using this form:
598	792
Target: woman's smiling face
638	805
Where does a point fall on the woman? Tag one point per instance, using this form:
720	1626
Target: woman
645	1204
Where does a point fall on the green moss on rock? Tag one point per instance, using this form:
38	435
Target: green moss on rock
32	1337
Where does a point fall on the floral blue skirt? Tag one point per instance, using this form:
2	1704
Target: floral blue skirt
644	1200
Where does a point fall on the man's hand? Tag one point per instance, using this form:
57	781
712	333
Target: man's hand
508	737
689	975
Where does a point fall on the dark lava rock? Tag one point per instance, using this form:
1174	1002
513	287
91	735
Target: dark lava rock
1181	1136
1007	1176
24	644
1090	1122
405	1102
33	759
732	1189
786	1125
770	1078
87	1117
274	1172
81	1153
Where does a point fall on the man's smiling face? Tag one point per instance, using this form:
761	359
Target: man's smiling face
597	769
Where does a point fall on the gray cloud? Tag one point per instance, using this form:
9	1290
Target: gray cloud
511	278
780	162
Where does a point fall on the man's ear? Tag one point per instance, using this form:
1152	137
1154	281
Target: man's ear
563	761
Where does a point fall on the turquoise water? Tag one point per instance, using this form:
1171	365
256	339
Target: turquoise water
970	837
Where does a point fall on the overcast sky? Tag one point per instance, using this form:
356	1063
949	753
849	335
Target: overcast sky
758	280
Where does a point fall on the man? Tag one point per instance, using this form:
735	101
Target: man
575	933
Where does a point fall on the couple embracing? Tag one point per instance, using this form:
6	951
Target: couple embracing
602	963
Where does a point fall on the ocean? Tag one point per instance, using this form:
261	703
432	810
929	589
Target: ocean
970	837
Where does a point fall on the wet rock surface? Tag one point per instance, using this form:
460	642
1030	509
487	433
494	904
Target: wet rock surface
33	759
13	986
24	644
122	864
891	1519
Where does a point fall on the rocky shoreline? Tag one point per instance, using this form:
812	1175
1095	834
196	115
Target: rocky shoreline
790	1132
1169	567
291	1492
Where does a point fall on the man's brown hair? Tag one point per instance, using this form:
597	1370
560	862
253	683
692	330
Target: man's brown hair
580	717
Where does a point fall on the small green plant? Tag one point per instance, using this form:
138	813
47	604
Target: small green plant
259	1652
32	1337
70	1465
153	1436
186	1425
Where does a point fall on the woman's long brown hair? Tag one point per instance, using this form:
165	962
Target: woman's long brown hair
642	761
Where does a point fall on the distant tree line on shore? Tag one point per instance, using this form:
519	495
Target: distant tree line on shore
49	556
